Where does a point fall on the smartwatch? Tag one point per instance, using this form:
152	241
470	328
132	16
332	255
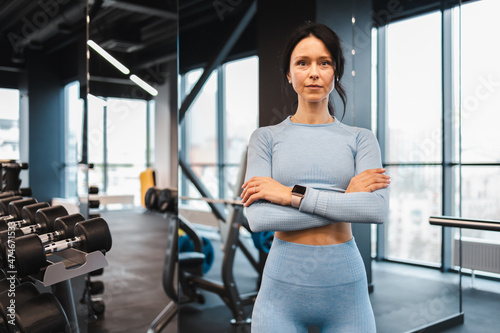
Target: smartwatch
298	193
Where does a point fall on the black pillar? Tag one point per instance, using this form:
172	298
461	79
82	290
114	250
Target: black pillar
276	20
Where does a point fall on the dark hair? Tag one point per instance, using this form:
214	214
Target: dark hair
332	43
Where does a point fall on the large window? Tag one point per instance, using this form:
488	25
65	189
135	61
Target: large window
480	106
217	127
74	176
118	132
414	146
9	124
442	81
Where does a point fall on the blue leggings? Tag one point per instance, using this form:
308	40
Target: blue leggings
307	285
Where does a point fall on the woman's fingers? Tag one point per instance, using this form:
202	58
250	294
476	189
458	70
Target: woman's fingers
265	188
368	181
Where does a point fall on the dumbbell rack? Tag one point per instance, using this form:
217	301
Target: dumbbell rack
64	266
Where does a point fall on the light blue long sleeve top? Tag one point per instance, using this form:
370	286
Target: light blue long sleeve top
323	158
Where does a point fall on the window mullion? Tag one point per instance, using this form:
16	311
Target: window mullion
221	131
381	119
447	132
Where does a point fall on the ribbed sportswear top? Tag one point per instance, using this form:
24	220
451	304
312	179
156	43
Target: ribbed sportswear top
322	157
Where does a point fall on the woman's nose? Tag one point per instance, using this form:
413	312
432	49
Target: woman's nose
313	74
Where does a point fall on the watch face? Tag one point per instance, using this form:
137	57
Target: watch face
298	189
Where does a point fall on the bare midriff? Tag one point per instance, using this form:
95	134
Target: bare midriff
335	233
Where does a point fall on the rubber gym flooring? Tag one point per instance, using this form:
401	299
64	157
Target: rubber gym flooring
404	296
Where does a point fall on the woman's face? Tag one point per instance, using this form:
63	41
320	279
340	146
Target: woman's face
311	70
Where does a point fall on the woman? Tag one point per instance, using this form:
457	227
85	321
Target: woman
308	178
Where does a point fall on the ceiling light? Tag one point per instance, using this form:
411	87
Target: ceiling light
144	85
108	57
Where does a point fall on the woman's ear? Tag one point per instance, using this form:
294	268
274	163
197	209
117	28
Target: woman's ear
289	77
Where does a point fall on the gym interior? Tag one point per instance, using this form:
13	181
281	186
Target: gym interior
124	127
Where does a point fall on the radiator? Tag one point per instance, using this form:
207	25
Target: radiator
478	254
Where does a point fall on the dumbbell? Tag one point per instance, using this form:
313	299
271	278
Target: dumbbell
89	236
22	293
93	190
27	217
4	204
63	228
14	210
41	314
6	283
41	221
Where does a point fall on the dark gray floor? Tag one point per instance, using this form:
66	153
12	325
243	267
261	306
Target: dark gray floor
133	291
404	297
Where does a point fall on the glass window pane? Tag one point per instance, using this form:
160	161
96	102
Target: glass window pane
200	119
241	84
96	140
480	82
74	176
414	89
9	124
126	128
208	175
481	197
415	194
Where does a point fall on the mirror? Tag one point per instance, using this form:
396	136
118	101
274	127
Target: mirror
132	119
42	51
431	60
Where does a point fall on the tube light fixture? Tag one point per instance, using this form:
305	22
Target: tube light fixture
108	57
143	84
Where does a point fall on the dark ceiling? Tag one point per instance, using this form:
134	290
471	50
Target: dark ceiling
142	34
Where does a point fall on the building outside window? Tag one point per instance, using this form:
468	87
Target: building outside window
216	128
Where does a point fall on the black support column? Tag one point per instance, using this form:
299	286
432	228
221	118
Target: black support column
351	20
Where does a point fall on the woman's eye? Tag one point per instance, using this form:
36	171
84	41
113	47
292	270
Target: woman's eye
325	63
301	63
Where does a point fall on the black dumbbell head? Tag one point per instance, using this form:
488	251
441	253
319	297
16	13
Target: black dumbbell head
6	194
46	217
93	190
94	203
66	224
16	207
25	191
42	313
4	204
30	255
95	235
28	212
23	293
5	246
6	283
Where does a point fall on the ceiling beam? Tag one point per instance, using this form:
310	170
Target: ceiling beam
143	9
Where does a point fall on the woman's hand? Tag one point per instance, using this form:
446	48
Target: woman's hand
368	181
265	188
